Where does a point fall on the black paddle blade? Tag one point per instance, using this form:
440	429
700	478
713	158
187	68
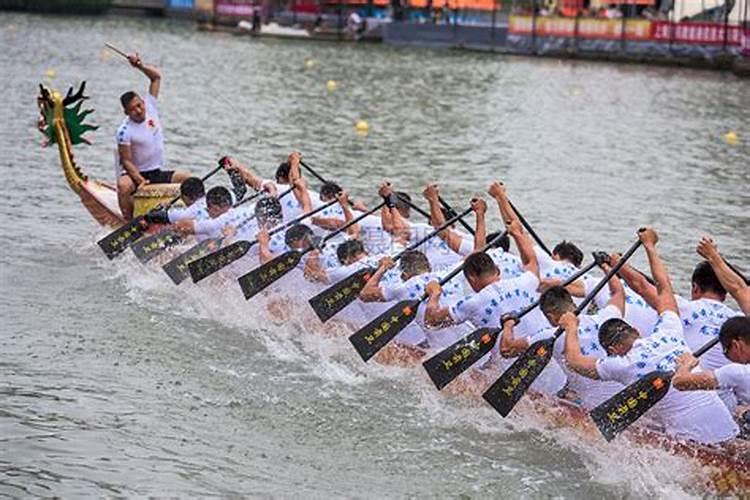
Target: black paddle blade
372	337
267	274
445	366
177	268
118	240
617	413
334	299
516	380
209	264
149	247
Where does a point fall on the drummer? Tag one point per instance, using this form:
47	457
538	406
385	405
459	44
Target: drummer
139	159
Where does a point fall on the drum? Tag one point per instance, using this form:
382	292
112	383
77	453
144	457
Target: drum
152	195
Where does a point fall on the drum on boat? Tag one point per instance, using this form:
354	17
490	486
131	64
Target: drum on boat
150	195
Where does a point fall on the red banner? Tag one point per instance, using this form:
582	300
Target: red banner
237	8
699	33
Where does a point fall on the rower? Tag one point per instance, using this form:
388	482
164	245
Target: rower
139	158
728	277
460	243
415	273
631	355
734	337
218	205
555	302
193	195
701	317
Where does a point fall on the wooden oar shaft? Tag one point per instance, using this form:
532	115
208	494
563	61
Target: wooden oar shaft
434	233
530	229
448	208
705	347
115	49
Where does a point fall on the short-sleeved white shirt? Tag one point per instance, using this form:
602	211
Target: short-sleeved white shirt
735	377
701	415
437	251
146	139
196	211
375	239
290	205
590	392
485	308
509	264
638	313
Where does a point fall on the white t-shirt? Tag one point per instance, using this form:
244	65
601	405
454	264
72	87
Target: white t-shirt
638	313
700	416
376	240
413	288
197	211
510	265
213	228
484	309
146	139
437	251
591	392
735	377
290	205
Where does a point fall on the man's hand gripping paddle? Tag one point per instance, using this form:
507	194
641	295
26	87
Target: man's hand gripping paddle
515	381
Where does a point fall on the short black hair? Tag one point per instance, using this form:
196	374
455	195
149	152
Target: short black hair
705	278
448	213
329	190
297	232
414	262
479	264
556	300
613	330
192	188
218	196
126	98
736	328
268	209
282	172
569	251
502	242
349	249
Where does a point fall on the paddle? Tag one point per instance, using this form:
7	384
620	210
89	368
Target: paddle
515	381
149	247
261	277
618	412
323	180
452	361
335	298
531	231
450	210
211	263
118	240
376	334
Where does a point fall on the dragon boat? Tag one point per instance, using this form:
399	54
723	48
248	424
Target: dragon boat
715	470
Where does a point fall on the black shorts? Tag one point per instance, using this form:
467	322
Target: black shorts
158	176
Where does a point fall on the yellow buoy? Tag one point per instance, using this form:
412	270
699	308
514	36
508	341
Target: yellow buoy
331	85
50	73
310	63
731	138
362	127
104	55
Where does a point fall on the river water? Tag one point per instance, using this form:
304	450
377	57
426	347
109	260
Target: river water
115	382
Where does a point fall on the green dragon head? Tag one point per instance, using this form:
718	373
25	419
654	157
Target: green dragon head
73	116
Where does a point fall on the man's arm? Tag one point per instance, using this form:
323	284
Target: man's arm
264	250
510	346
480	232
498	193
151	73
126	159
525	247
343	199
684	380
616	291
576	360
250	179
372	292
313	271
730	280
435	315
302	195
437	219
665	300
